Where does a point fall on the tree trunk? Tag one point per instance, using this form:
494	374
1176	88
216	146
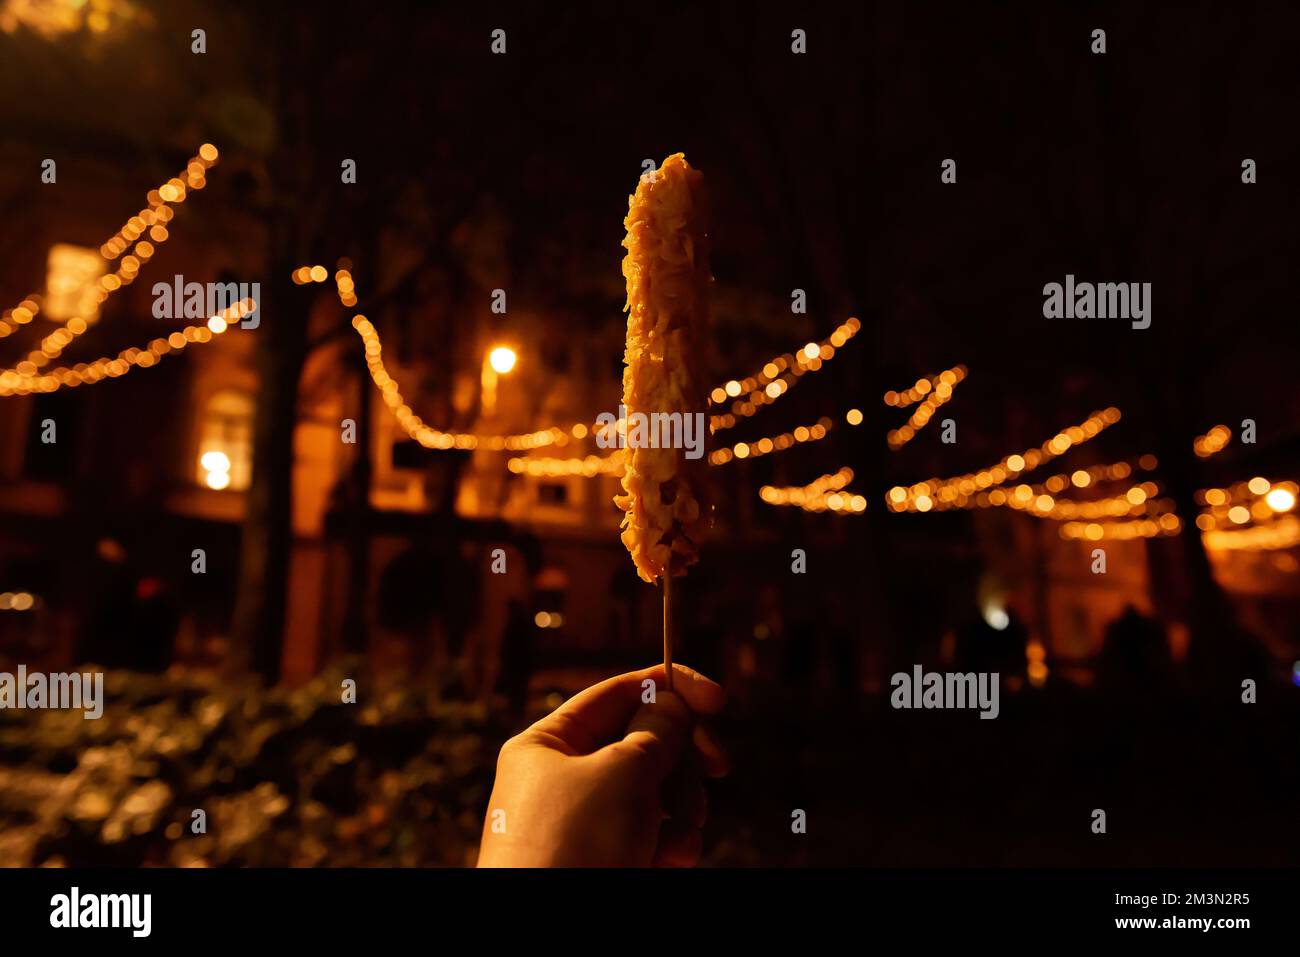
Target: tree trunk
358	521
266	543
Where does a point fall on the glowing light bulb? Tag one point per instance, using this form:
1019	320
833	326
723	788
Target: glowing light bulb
502	359
215	461
1280	500
996	616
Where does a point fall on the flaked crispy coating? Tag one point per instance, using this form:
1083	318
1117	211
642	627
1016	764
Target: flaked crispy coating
667	272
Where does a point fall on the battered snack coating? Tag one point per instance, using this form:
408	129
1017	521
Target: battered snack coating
667	272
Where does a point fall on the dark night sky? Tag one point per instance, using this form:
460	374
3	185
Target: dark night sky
824	170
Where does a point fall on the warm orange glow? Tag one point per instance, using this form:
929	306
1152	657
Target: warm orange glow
502	359
1280	500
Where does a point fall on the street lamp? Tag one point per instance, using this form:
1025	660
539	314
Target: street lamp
502	359
499	361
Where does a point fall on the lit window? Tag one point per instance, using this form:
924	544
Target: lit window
225	459
71	281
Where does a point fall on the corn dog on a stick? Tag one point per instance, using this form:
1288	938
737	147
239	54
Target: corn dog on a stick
667	271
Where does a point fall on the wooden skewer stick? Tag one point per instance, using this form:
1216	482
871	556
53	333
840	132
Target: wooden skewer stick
668	630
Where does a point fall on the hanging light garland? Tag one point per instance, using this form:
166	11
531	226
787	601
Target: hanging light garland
810	359
12	383
346	288
149	221
1086	478
1166	524
1252	515
1134	513
942	494
740	451
776	378
825	493
940	392
794	494
19	315
924	386
844	502
586	467
1271	536
1212	442
777	443
1254	502
426	435
1138	500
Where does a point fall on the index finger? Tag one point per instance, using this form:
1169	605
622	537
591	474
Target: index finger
600	714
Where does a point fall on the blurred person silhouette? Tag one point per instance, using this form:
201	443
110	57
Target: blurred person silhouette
132	620
1135	659
982	647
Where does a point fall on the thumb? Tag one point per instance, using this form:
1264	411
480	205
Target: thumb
656	737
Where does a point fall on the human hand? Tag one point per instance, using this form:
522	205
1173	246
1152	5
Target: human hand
606	780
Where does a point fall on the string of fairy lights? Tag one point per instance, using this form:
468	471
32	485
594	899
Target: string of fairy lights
777	443
764	387
825	493
19	315
106	367
1138	511
416	428
141	235
777	377
150	223
936	391
587	466
1247	515
770	383
1257	514
1281	533
971	489
1212	442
